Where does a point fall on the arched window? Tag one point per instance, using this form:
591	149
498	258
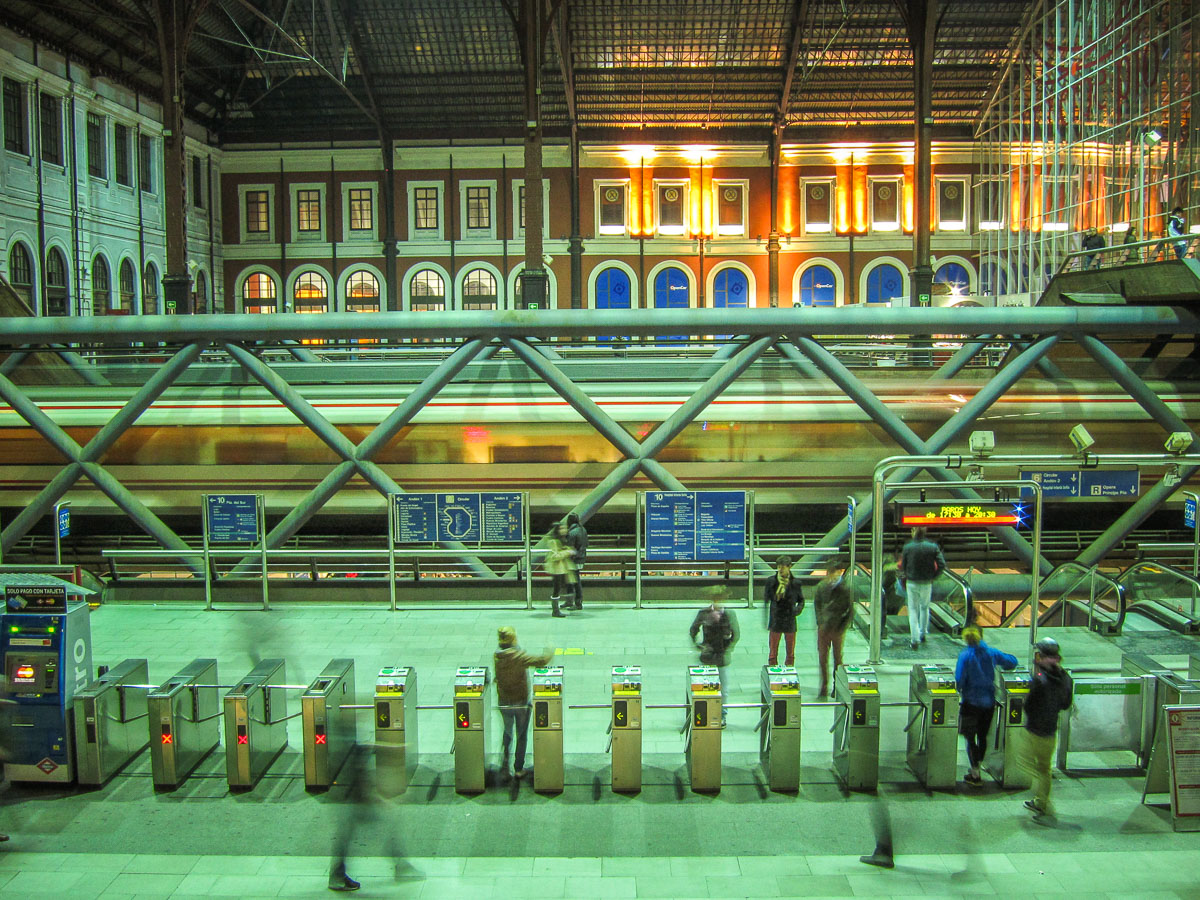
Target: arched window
479	290
613	289
955	277
20	273
200	294
730	289
818	287
258	293
127	288
427	291
884	284
101	287
362	292
57	288
671	289
150	290
310	293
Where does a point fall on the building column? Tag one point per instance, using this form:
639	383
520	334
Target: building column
922	30
387	198
575	246
534	281
773	237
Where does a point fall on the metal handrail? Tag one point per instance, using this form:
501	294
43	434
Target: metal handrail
968	597
1124	249
1182	576
1092	572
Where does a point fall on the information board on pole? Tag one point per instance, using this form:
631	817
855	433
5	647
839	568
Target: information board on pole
64	521
1189	513
232	517
470	517
1183	742
1085	482
696	525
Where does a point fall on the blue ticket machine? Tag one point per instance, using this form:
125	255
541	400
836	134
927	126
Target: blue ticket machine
46	647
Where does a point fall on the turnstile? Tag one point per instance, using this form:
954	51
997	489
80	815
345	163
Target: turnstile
1140	664
856	728
1194	667
255	723
1173	690
548	729
626	728
109	730
395	729
470	729
779	737
183	713
704	728
330	729
1003	759
933	728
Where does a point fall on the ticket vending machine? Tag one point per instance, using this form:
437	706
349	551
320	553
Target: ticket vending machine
1006	745
704	728
470	729
856	728
626	729
395	729
548	730
46	645
933	727
779	737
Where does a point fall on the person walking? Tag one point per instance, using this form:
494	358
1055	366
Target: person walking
512	665
719	629
834	611
920	562
577	540
1050	692
975	674
1177	227
1092	240
784	601
559	565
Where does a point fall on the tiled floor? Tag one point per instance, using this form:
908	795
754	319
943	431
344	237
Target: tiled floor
125	840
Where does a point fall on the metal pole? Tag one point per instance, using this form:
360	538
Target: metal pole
1195	532
390	501
638	502
748	539
528	551
58	507
208	600
851	507
261	516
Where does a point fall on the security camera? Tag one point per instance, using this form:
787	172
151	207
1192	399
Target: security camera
1179	442
1081	439
982	443
547	259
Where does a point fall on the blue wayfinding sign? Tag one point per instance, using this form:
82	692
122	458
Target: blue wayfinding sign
64	521
696	525
1085	482
1055	482
1189	512
232	517
465	517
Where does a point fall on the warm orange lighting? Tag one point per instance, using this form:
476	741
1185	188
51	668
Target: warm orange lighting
1014	199
788	186
859	199
906	196
1035	200
635	201
842	193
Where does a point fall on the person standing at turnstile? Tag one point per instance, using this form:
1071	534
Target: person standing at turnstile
719	629
1050	692
513	695
975	675
784	601
834	611
920	562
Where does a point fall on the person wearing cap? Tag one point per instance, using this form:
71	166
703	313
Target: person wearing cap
784	601
975	674
920	562
1050	692
513	694
719	632
834	611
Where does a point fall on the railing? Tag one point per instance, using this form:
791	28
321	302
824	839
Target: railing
1092	575
1170	577
960	612
1130	253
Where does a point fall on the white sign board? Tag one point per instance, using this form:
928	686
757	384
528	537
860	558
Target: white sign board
1183	735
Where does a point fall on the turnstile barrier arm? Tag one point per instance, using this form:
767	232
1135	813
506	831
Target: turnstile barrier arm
919	714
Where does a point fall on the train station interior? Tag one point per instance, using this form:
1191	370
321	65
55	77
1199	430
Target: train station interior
379	378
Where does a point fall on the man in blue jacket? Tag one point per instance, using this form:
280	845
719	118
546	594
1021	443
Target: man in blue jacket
976	677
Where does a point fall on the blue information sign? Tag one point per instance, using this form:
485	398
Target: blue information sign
232	517
64	521
1189	512
466	517
691	525
1085	482
1055	482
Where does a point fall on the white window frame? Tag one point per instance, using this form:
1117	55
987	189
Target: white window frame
31	140
621	184
350	235
256	237
425	234
830	184
681	230
308	236
518	229
951	225
467	233
897	183
718	185
983	185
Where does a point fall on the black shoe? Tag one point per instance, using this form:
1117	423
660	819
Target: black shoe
915	645
975	780
559	614
343	883
883	860
923	638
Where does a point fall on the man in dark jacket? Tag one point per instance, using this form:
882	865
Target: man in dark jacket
513	693
577	540
1050	692
784	601
920	562
719	632
834	611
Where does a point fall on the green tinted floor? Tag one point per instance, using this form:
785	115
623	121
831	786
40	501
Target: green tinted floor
127	840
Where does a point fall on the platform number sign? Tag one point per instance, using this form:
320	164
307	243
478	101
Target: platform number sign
232	517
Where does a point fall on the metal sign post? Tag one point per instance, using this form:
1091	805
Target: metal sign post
391	545
62	527
639	507
234	519
1191	519
748	549
528	552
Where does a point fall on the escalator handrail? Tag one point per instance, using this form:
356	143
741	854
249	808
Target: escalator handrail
1181	575
968	594
1085	572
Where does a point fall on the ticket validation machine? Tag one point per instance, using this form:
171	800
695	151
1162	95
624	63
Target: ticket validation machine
470	729
183	713
46	646
395	728
856	728
627	728
704	728
255	723
779	737
548	730
109	722
1006	744
330	731
933	727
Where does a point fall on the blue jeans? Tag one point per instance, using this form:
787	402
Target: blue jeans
515	717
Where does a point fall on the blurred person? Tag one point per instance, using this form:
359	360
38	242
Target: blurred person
559	565
834	611
784	601
1133	254
1092	240
513	695
1177	227
892	589
719	632
361	808
881	824
7	706
1050	692
577	540
920	562
975	674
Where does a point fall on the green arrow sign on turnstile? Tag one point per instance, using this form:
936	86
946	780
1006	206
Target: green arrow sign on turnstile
621	713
